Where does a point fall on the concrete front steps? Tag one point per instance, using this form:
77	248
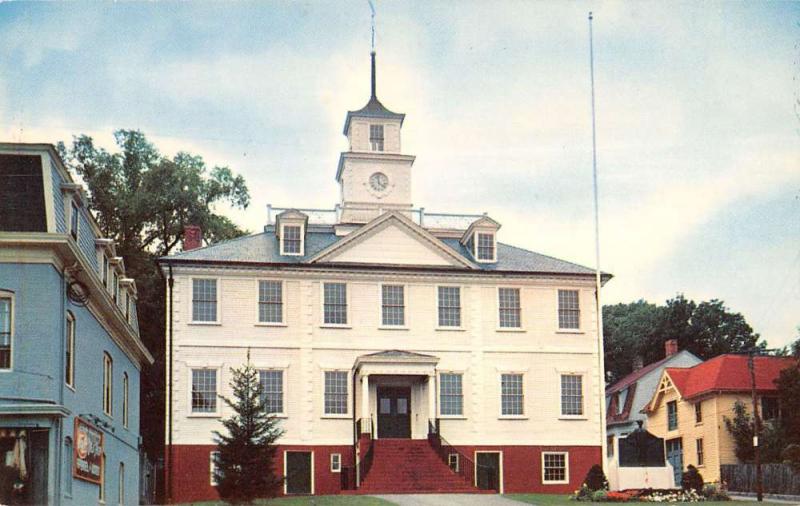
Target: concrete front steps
410	466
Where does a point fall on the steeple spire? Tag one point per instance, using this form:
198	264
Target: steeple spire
373	96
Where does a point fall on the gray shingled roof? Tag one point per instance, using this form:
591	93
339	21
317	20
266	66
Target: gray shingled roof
373	109
263	248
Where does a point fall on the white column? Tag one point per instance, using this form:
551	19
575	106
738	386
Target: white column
431	396
364	398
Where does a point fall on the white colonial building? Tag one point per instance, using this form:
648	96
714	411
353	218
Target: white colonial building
392	342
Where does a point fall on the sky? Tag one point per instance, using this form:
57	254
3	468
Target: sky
697	119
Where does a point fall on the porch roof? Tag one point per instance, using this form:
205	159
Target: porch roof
396	357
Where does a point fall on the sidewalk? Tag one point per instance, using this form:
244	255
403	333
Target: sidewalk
781	499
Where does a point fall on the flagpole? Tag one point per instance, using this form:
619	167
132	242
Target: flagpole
598	280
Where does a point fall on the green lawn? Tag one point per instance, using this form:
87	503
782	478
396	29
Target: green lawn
563	500
317	500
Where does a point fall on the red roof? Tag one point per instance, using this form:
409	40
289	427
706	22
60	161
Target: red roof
728	373
635	376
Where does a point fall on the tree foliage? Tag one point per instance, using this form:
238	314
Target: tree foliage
245	458
640	329
788	384
142	199
692	479
771	440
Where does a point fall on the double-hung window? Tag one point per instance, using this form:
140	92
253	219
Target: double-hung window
770	408
509	308
334	304
698	412
270	302
6	329
213	469
108	377
555	467
204	300
569	313
292	243
73	220
335	392
69	351
512	399
393	308
451	394
376	137
105	270
672	415
271	390
571	394
485	247
125	392
204	390
449	306
700	454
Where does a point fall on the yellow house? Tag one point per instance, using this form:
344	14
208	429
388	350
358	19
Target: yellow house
689	407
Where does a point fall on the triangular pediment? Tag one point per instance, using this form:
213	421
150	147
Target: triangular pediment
392	239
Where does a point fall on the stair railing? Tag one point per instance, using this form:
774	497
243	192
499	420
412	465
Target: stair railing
366	426
463	466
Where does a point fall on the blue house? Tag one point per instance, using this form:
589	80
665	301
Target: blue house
70	352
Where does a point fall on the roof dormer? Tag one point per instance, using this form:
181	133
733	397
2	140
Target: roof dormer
290	227
481	240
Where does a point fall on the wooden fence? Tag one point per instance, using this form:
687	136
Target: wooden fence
777	478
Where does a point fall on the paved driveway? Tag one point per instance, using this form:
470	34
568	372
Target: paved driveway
448	499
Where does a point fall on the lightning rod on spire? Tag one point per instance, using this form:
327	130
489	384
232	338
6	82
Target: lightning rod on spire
372	9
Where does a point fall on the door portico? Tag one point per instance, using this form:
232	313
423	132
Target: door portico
397	396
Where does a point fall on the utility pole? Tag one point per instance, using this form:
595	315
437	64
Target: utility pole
756	423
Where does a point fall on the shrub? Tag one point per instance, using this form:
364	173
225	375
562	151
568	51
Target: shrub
596	479
692	479
716	492
582	494
599	496
791	456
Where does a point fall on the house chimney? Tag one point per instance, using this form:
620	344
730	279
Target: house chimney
671	347
192	237
638	363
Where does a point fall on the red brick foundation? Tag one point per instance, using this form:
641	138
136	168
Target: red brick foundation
522	468
192	471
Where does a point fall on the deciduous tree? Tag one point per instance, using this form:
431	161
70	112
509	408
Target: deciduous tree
142	199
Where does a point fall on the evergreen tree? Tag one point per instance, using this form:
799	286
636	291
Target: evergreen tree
245	458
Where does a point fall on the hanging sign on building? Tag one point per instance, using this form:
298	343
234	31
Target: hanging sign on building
88	452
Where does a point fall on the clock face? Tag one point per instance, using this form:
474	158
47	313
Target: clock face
378	181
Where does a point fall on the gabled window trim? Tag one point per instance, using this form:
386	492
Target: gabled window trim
258	322
192	321
302	227
7	294
476	241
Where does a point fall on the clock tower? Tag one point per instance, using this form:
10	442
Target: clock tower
373	175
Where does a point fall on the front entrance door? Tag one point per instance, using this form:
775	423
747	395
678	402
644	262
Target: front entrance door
487	471
298	473
394	417
675	457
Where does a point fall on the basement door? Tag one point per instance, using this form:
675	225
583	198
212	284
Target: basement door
299	467
487	470
675	457
394	417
